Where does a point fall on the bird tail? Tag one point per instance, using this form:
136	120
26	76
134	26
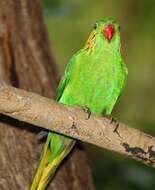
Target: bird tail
54	151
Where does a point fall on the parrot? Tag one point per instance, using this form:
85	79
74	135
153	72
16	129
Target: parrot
94	78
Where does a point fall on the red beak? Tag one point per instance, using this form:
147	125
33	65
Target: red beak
108	32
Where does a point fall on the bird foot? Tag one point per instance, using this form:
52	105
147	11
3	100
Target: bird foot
112	119
87	110
42	135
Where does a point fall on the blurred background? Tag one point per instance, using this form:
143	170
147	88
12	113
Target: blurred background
69	22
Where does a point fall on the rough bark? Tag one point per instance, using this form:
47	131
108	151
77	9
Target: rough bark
26	62
77	123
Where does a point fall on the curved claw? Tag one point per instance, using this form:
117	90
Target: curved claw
88	111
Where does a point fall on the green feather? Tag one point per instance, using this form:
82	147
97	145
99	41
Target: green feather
94	78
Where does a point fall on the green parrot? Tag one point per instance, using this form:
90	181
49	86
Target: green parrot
94	78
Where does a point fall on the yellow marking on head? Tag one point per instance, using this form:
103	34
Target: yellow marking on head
91	41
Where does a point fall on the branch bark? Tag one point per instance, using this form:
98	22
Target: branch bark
77	123
26	62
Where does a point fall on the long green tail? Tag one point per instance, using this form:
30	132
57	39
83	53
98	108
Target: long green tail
54	151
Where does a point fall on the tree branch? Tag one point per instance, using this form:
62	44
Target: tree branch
77	123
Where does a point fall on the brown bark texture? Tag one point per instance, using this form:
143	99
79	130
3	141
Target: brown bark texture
26	62
77	123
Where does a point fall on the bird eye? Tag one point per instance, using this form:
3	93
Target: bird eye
95	26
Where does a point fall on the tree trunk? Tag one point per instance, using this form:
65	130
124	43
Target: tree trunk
26	62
